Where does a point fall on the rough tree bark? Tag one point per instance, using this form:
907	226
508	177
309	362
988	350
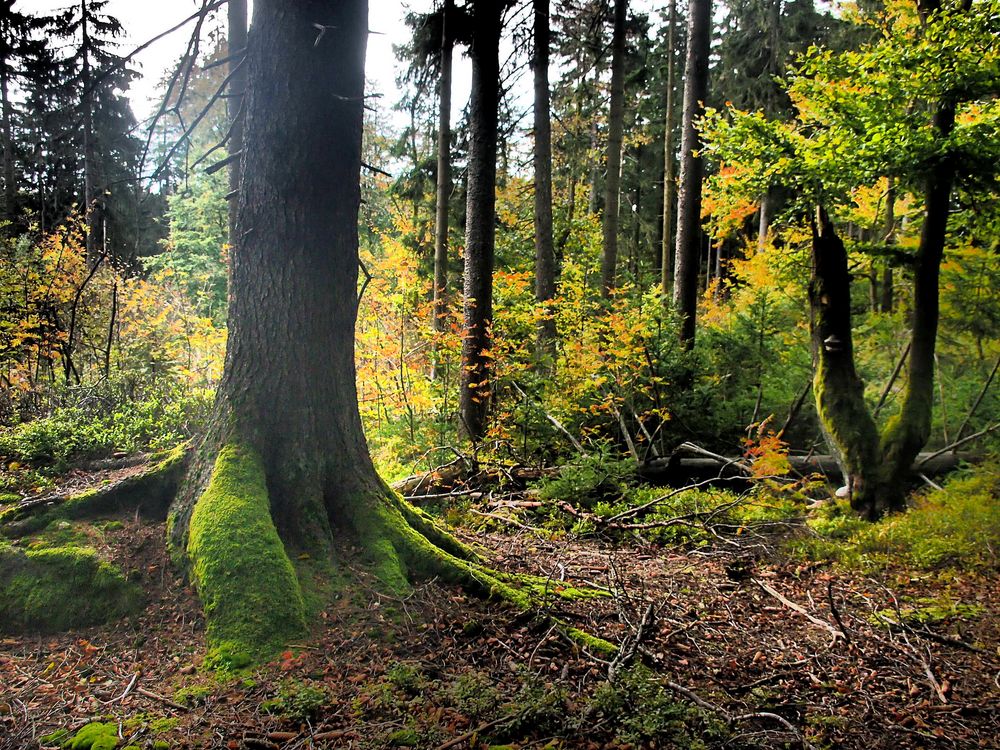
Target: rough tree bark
669	189
480	209
688	249
613	159
237	87
545	252
9	188
284	466
443	174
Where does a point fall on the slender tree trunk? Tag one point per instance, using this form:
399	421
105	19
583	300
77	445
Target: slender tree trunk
545	255
594	202
889	239
480	217
443	175
9	185
907	432
764	220
90	211
669	189
235	104
613	159
688	247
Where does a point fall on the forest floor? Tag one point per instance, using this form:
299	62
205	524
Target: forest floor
731	645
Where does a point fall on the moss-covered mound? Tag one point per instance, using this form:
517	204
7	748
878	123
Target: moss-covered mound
46	590
253	602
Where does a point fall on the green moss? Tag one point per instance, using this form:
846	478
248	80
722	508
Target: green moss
53	589
194	695
54	738
252	599
94	736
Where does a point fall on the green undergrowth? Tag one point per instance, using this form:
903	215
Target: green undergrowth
926	610
602	489
105	426
957	526
57	588
253	602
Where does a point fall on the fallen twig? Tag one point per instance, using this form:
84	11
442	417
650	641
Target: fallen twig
800	609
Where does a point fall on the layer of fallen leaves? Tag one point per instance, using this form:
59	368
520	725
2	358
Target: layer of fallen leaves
716	626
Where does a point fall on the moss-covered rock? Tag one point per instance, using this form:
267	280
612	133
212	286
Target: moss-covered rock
52	589
252	598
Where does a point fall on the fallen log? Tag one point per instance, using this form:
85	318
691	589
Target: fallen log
665	470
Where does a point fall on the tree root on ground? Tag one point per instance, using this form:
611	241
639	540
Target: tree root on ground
148	492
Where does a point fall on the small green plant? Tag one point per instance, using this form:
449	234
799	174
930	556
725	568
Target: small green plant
957	526
640	709
475	695
405	676
296	700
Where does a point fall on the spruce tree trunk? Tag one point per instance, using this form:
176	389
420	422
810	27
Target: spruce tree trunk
443	175
9	186
669	189
839	391
90	211
613	159
285	466
235	103
480	209
688	247
545	255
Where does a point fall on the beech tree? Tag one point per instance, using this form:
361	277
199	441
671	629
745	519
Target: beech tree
863	117
284	468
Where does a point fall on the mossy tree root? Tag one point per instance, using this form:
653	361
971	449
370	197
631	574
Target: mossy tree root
149	492
253	600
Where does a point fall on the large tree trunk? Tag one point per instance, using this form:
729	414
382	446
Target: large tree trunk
285	465
235	103
480	208
613	160
669	189
545	253
688	249
839	391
